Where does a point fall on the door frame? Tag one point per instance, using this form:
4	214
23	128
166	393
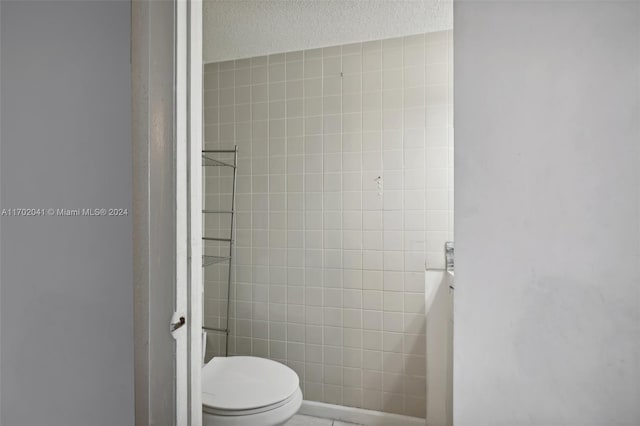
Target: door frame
194	71
154	206
182	392
166	63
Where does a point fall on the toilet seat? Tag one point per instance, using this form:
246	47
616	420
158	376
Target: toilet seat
259	410
245	385
270	417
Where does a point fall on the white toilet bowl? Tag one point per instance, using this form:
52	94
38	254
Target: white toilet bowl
248	391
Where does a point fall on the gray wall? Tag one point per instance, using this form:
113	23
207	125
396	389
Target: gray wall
66	289
547	213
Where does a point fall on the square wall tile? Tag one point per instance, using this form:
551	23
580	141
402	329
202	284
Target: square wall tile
344	192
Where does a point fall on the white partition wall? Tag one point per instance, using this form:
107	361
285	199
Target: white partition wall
547	326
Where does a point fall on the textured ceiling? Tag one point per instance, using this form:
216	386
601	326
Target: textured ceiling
245	28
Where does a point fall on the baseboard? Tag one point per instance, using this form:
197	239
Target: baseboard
357	415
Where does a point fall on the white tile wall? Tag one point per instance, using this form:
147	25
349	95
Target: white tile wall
344	191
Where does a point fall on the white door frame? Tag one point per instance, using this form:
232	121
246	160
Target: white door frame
154	206
181	117
166	53
189	289
194	87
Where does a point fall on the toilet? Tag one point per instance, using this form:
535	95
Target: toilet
248	391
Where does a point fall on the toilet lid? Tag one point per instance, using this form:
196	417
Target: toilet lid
246	383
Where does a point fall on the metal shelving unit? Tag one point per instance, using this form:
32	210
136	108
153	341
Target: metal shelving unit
209	159
212	260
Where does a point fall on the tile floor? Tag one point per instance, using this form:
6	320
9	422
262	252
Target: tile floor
300	420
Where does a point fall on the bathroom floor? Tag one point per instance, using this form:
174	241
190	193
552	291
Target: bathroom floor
300	420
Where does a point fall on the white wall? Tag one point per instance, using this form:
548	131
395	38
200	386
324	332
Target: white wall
439	352
243	29
547	213
329	267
